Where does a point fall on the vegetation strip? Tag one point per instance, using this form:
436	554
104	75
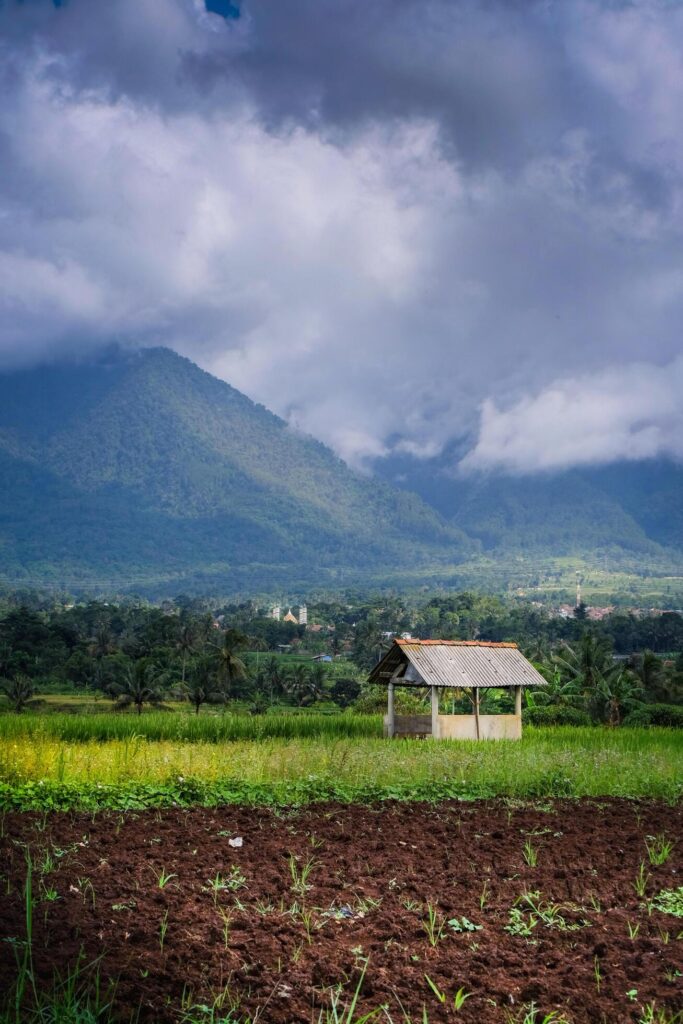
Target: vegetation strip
39	772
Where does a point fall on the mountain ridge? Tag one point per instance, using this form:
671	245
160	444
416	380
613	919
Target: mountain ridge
138	465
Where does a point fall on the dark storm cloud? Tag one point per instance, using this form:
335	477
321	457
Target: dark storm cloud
471	209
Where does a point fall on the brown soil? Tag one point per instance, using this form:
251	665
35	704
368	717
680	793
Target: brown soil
374	872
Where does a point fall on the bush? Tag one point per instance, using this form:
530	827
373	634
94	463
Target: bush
555	714
656	714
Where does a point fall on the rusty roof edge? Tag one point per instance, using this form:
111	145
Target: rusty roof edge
455	643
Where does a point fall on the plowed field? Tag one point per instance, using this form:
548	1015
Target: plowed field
269	912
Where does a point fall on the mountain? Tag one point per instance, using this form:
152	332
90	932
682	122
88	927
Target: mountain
140	467
629	508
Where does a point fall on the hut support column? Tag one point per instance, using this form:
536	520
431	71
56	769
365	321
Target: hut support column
391	722
518	701
475	695
435	713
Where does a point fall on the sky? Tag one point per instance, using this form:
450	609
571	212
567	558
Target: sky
396	224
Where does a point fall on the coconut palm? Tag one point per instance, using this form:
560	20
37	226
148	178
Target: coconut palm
225	657
186	644
141	683
200	686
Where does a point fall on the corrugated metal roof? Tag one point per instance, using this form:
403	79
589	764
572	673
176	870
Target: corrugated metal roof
456	664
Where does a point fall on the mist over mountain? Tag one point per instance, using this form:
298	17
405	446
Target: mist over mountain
633	507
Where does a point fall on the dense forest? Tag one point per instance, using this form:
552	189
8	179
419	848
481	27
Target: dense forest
624	668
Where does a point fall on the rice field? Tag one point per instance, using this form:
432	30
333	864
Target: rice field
188	728
559	761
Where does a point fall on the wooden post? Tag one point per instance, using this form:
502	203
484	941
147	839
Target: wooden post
435	713
518	701
476	710
391	721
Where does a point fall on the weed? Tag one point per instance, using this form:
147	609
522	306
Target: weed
162	878
484	895
597	973
300	875
434	925
633	930
642	878
458	1001
163	928
670	901
658	849
530	854
462	924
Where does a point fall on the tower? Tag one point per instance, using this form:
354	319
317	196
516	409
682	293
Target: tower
276	612
303	615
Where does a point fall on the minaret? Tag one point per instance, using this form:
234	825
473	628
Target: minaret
303	615
578	590
276	612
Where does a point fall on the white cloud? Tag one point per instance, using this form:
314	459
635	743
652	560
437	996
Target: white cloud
630	412
371	269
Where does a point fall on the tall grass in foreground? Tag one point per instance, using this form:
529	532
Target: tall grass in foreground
560	761
189	728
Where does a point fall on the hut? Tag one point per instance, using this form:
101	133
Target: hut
469	665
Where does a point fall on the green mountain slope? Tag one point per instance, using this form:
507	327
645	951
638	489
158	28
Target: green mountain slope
141	466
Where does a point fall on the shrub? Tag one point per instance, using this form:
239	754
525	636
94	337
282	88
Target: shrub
556	714
656	714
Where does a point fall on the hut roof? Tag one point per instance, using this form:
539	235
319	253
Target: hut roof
456	664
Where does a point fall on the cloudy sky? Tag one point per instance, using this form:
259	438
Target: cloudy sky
394	223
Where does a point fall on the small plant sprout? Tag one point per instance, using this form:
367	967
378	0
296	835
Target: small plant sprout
632	994
530	854
162	878
658	849
300	884
434	925
642	878
597	973
633	930
484	895
163	928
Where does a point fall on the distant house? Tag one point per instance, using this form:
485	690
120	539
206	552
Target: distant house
322	657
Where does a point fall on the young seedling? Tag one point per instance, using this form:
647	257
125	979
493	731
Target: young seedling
642	878
658	849
633	930
597	973
162	878
484	895
434	924
163	928
530	854
300	876
459	998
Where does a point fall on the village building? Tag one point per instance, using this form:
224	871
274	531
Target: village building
462	665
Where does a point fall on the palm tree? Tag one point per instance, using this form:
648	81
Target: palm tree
302	685
186	643
140	684
201	683
589	673
617	692
19	691
230	666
